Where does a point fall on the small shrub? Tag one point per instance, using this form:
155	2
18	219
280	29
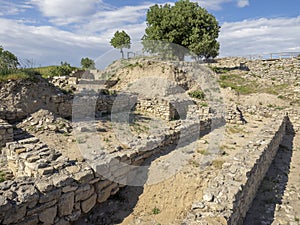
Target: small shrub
197	94
63	70
156	211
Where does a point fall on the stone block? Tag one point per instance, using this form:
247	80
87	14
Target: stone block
105	193
66	204
47	216
84	192
88	204
15	215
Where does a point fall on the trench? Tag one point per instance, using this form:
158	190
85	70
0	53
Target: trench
272	187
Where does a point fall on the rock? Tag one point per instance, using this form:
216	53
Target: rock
88	204
198	205
208	197
84	192
66	204
14	216
84	176
52	127
47	216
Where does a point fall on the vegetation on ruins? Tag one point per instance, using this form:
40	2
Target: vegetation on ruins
120	40
185	24
63	70
87	63
197	94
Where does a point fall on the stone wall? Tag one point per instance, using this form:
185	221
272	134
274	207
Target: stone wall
228	196
157	107
6	133
51	189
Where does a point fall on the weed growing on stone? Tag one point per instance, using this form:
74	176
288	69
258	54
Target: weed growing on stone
156	211
198	94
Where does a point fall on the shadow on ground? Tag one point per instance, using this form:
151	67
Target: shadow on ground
273	186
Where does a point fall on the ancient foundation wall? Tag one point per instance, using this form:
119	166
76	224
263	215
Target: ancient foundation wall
51	189
6	133
229	196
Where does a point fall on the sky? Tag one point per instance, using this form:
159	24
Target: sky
47	32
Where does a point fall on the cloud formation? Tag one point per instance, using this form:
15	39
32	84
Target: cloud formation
259	36
86	32
62	8
242	3
217	4
10	8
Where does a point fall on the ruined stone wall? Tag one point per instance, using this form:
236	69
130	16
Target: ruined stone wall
283	69
51	189
228	196
157	107
6	133
58	104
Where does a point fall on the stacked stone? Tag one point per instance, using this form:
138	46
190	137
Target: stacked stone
6	133
157	107
234	115
65	82
30	157
43	120
59	191
229	195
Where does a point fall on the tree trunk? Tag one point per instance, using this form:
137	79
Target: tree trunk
122	53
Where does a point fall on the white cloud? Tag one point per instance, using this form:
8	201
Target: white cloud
10	8
90	16
260	36
90	31
49	45
217	4
63	8
116	19
242	3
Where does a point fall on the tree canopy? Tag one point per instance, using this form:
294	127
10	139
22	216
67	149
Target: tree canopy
87	63
7	60
120	40
185	24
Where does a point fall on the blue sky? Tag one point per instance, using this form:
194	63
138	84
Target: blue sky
50	31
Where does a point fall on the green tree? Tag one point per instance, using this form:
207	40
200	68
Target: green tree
8	61
120	40
185	24
87	63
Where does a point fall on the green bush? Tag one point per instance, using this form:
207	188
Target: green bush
63	70
156	211
197	94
